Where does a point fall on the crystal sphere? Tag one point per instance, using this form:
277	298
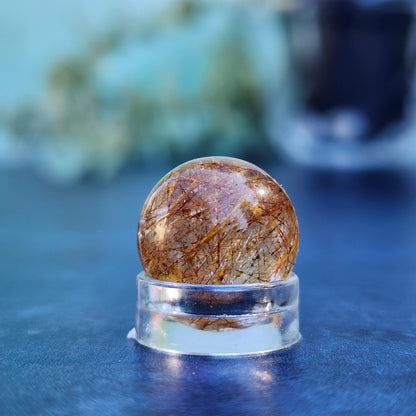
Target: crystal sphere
218	220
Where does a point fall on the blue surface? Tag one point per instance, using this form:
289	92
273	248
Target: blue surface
67	300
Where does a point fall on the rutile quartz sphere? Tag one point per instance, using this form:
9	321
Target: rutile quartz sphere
218	220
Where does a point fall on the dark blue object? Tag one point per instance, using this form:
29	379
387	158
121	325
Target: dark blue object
67	299
366	62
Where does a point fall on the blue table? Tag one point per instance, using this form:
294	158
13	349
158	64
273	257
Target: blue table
67	300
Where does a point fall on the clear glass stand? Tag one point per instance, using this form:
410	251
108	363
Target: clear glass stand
217	319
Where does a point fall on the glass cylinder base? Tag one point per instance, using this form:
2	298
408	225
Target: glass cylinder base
217	319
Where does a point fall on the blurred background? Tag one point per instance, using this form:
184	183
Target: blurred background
88	89
100	98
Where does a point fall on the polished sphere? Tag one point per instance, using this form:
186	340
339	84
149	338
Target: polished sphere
218	220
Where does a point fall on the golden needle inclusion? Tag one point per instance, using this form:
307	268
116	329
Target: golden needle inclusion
218	220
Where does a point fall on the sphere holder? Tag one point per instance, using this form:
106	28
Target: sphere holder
224	320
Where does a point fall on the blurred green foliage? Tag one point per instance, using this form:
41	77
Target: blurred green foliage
183	83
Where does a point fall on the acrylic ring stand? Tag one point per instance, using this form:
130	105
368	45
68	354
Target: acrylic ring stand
224	320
